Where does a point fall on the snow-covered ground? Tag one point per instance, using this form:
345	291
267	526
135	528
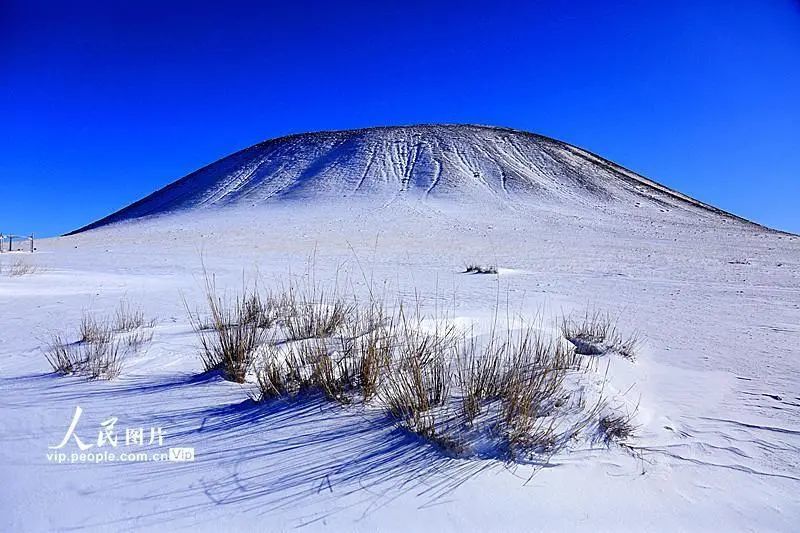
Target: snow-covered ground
717	382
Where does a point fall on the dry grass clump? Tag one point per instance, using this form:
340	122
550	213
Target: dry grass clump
130	318
235	330
63	357
616	427
294	370
596	334
518	379
101	357
19	268
104	356
444	386
419	378
314	313
532	384
341	368
395	360
311	365
520	390
271	380
90	329
510	388
127	320
137	338
102	346
473	268
367	348
480	372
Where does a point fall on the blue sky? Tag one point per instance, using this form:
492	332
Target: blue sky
103	102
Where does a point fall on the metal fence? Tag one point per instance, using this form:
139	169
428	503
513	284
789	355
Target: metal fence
23	243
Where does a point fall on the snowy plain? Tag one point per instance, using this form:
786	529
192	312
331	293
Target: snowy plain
715	387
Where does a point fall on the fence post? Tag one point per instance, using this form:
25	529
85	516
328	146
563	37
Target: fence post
10	240
31	242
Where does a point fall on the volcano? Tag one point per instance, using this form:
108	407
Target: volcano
450	163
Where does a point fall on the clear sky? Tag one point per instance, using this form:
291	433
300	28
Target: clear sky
103	102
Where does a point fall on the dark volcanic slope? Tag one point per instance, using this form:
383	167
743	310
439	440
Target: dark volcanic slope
460	163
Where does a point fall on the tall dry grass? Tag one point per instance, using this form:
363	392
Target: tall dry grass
102	346
100	354
596	333
129	317
418	379
514	386
367	347
62	356
313	312
236	329
18	268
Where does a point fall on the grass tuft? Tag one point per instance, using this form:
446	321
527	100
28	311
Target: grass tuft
420	378
229	340
474	268
90	329
480	373
532	383
104	356
596	334
519	393
63	357
616	427
314	313
103	344
367	348
19	268
129	318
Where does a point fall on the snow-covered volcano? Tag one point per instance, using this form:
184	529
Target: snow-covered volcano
451	162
